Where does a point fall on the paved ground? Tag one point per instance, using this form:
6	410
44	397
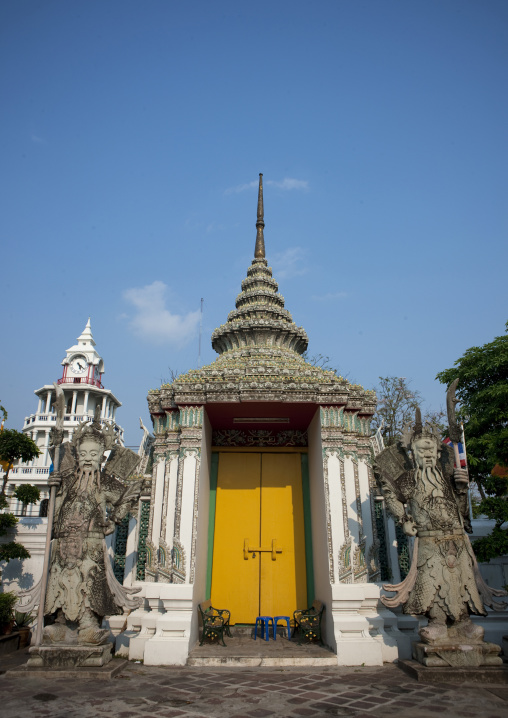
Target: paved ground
198	692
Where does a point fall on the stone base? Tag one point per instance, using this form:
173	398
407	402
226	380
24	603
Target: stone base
457	655
483	674
103	673
69	657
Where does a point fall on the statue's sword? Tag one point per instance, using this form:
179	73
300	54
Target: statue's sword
60	411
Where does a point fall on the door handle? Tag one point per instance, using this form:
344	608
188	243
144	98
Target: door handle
274	550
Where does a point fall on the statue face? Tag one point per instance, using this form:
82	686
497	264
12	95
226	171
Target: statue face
425	452
90	455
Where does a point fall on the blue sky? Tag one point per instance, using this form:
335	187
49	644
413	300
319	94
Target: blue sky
132	135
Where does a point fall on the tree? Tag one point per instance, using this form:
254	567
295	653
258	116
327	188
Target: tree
483	394
10	550
397	404
15	445
27	494
396	407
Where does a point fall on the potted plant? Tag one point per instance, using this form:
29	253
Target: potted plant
22	623
7	601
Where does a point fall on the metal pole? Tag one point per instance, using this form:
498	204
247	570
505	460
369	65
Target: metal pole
200	332
45	569
60	411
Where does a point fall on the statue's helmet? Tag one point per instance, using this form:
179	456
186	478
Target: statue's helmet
104	436
420	430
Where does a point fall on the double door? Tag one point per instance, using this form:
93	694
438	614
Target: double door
259	539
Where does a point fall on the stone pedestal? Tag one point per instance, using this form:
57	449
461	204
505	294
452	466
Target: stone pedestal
355	645
457	655
69	657
484	674
171	643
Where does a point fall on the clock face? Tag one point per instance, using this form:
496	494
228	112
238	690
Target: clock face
78	364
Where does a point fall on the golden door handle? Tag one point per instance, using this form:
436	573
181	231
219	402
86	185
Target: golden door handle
273	550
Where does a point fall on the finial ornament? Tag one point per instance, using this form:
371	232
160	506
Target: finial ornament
259	252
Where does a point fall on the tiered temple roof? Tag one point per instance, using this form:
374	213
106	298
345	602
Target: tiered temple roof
260	350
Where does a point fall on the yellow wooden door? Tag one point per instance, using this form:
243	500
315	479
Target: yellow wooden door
259	542
283	586
235	581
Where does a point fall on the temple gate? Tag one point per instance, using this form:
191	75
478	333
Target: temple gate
263	495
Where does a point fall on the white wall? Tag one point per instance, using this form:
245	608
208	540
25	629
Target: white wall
202	526
319	522
20	575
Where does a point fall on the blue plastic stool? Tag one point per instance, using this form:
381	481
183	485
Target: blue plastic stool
275	621
266	627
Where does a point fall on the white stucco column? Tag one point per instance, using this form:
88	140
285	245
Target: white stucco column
103	410
352	510
74	399
158	500
363	480
336	508
172	484
131	553
48	402
187	511
45	453
85	403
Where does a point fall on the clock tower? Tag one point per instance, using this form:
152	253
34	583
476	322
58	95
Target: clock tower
83	365
81	381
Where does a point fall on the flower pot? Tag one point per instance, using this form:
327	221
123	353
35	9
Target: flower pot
6	628
24	636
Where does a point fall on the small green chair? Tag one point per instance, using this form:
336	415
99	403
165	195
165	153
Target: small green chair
215	622
308	622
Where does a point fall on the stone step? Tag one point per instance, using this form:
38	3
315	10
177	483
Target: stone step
330	660
242	650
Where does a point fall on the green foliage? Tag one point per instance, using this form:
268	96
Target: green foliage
15	445
12	550
495	544
7	601
21	620
7	521
483	394
27	493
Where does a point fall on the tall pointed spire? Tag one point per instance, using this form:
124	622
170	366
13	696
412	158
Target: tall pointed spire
259	252
86	336
260	321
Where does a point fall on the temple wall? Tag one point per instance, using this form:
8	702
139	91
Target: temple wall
319	518
201	527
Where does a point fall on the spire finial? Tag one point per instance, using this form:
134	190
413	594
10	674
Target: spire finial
259	252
